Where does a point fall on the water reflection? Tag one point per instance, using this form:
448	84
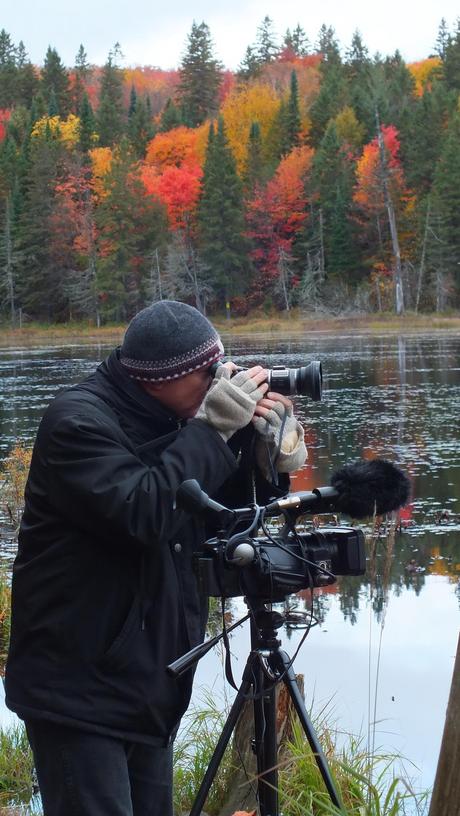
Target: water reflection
393	397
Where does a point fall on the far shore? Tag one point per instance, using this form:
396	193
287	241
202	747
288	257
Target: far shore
282	325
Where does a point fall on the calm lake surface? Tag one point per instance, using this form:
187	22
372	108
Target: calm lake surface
383	650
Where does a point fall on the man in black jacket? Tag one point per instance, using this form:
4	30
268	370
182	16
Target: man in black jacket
104	596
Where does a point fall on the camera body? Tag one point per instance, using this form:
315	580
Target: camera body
281	565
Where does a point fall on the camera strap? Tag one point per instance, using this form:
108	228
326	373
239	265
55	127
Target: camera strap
228	660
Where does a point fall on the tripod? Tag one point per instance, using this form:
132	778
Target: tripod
266	666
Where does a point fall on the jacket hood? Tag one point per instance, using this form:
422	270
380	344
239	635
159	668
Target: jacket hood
136	409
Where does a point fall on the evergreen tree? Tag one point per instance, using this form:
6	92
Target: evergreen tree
424	138
332	183
220	218
87	125
8	71
250	65
170	117
451	67
27	80
132	102
53	109
292	115
296	41
110	115
55	80
332	96
37	276
446	189
327	44
358	72
266	47
140	127
254	170
82	72
132	225
200	77
442	40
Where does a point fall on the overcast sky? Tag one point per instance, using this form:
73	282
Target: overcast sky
154	33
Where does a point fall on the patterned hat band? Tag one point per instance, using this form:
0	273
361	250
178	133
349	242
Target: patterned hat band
180	365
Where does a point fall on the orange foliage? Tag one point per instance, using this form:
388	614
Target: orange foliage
257	102
4	119
177	147
369	189
178	188
278	75
101	162
424	72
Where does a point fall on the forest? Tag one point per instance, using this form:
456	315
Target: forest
316	176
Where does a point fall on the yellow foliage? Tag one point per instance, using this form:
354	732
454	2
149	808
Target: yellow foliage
424	72
243	106
101	162
66	130
349	130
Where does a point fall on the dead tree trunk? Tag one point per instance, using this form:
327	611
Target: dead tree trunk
446	793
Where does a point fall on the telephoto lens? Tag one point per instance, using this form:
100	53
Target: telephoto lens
306	380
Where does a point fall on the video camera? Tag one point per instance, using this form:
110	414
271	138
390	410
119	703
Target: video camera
268	567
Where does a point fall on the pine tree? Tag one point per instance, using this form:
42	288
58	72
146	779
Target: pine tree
332	181
140	127
87	125
132	101
250	65
8	71
131	226
296	41
332	96
292	115
442	40
36	274
266	47
224	247
451	67
27	80
200	77
55	80
446	189
110	115
254	170
170	117
82	72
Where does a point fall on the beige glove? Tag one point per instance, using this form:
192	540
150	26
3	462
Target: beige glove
230	403
269	455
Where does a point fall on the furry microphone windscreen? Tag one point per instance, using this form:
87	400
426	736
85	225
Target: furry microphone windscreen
368	487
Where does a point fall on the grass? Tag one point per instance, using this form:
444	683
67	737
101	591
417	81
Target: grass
13	478
16	771
278	323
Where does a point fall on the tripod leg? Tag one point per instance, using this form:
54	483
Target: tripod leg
265	745
216	758
284	667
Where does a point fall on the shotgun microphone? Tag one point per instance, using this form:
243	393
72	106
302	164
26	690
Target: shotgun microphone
359	489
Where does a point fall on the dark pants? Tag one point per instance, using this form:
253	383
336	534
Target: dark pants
85	774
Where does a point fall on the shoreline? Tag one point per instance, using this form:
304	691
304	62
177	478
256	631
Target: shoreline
278	325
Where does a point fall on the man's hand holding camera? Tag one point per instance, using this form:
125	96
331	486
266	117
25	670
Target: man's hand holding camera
234	401
280	444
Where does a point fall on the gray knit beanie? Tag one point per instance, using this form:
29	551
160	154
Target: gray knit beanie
168	340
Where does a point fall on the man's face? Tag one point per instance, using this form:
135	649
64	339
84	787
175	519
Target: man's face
182	396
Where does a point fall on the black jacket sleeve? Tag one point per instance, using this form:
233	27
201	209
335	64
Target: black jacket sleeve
96	480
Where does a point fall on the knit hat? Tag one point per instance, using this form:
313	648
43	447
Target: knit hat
168	340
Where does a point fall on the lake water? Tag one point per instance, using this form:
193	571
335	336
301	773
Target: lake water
383	650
